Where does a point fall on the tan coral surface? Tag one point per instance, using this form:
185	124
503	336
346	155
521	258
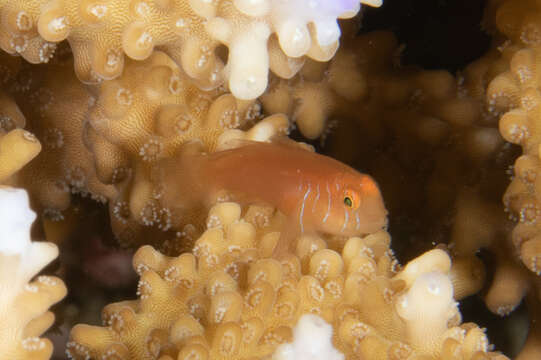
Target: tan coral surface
277	34
229	300
166	76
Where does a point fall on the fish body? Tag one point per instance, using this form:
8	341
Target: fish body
300	183
315	192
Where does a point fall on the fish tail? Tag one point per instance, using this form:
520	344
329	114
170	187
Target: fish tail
182	178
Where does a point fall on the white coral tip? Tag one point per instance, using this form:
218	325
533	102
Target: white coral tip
253	7
16	218
328	31
248	74
311	341
430	297
374	3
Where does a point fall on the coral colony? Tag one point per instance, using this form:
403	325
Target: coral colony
116	115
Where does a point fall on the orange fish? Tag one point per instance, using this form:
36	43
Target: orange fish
315	192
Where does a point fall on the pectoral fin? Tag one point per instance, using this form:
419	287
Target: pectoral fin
288	237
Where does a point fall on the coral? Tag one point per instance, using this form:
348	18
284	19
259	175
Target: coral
24	302
116	135
156	80
401	114
229	300
518	125
55	105
422	109
315	193
430	112
276	34
11	116
17	148
19	33
514	96
145	118
311	340
317	93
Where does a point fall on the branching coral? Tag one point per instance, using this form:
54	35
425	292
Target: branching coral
318	93
519	126
311	340
421	109
422	112
513	96
401	114
55	106
117	134
229	300
166	77
275	33
25	301
19	33
17	148
145	118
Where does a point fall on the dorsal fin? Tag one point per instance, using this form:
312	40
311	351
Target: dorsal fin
286	141
280	140
234	144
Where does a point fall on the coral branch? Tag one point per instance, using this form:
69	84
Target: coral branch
24	302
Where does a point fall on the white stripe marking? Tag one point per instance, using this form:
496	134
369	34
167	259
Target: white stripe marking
358	221
328	205
317	199
346	219
302	208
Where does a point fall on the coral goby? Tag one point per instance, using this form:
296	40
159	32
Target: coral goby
316	192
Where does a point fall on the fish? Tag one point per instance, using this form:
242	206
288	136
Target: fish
316	193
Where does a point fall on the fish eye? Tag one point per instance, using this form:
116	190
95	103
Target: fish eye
351	199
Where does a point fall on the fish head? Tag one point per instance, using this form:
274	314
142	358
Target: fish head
357	206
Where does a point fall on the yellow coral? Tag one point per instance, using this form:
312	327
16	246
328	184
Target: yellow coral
229	300
55	107
116	137
191	32
144	119
19	33
17	148
25	301
154	107
515	94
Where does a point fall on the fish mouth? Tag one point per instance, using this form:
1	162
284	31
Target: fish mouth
375	227
368	226
374	222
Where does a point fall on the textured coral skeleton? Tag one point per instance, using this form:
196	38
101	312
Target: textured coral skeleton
231	301
96	97
275	33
